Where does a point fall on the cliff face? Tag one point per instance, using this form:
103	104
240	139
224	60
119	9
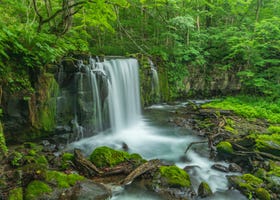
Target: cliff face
61	98
32	116
211	82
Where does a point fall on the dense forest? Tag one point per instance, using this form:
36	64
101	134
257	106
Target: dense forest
239	36
226	51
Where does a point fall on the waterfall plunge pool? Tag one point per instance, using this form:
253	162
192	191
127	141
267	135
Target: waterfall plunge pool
152	137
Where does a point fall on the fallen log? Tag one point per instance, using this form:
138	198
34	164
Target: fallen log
147	166
85	166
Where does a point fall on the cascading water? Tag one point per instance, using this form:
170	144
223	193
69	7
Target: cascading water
155	81
101	95
147	135
124	95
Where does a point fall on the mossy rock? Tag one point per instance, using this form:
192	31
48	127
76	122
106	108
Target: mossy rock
268	143
247	183
204	190
107	157
262	194
224	148
37	188
273	177
173	177
62	180
16	194
66	159
3	147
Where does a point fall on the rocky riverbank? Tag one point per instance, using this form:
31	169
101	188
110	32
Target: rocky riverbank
251	147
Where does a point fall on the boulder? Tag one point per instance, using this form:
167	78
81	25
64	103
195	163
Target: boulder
86	190
172	182
220	167
233	167
204	190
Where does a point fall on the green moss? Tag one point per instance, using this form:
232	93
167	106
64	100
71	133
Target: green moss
247	183
16	159
174	176
204	190
3	147
35	189
62	180
37	159
252	180
262	194
268	143
16	194
274	169
47	108
260	173
107	157
66	159
250	107
224	148
230	129
32	152
67	156
274	129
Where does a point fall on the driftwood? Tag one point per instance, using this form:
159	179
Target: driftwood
193	143
148	166
84	165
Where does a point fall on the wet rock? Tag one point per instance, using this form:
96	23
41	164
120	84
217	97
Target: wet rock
191	167
86	190
262	194
246	184
233	167
204	190
172	182
224	149
220	167
125	146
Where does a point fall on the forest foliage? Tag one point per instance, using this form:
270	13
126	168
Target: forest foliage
241	36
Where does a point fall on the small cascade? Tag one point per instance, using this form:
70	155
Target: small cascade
99	95
155	81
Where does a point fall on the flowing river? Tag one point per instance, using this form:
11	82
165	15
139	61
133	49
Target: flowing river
147	133
153	137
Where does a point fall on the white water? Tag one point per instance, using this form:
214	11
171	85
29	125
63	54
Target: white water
150	135
152	139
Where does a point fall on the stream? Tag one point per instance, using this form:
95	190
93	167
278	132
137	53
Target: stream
153	137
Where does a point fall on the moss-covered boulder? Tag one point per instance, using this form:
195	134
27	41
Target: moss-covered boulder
66	160
247	184
268	143
224	149
37	188
204	190
108	157
16	194
61	179
172	182
173	176
273	177
262	194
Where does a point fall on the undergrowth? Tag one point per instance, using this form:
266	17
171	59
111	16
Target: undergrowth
250	107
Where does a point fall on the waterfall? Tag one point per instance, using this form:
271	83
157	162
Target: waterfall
155	81
97	96
124	95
